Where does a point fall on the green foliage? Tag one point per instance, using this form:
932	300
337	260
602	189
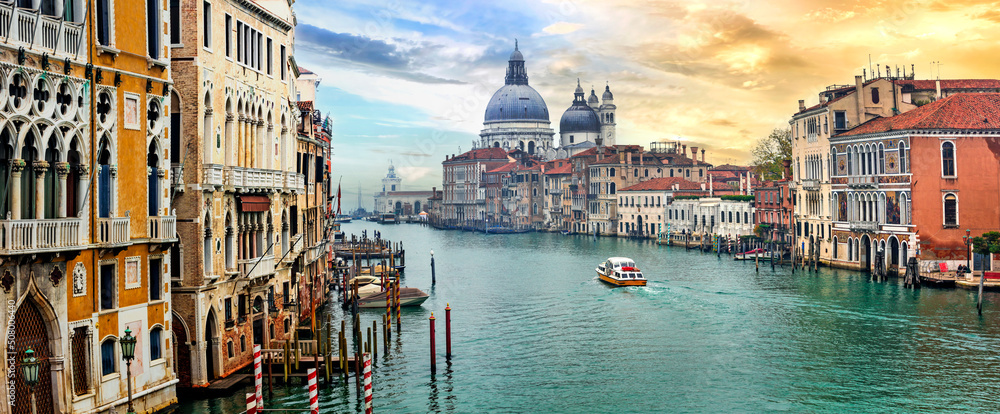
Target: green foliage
989	242
687	197
761	229
738	197
769	152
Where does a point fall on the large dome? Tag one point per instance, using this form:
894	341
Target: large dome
517	102
579	118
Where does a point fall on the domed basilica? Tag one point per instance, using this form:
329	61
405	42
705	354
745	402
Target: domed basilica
517	117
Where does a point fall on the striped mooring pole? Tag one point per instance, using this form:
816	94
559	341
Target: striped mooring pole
251	403
313	392
368	383
257	377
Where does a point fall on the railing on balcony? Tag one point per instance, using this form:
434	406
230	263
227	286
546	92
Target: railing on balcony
39	235
114	230
163	228
27	27
257	267
864	226
810	184
253	179
212	175
862	182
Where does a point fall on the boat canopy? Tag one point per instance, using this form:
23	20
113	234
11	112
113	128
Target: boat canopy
621	262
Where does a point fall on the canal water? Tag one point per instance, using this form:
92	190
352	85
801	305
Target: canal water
535	331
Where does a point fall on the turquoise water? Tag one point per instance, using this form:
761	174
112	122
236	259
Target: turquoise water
534	331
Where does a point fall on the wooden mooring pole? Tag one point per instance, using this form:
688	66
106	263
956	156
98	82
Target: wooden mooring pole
433	353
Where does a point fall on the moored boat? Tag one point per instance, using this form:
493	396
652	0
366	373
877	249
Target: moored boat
620	271
407	297
755	254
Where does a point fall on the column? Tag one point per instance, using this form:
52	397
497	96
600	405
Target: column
40	168
62	168
17	168
239	141
114	190
164	183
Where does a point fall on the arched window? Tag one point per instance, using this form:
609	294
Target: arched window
155	344
207	246
153	189
109	363
948	159
611	186
612	172
950	210
230	243
230	147
875	97
902	157
835	247
531	147
105	188
881	158
850	161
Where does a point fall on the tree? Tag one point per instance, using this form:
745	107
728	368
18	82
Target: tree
988	243
769	152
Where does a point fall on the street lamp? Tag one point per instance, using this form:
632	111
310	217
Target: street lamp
968	249
29	368
128	353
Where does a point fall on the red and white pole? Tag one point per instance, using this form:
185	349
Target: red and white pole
251	403
257	377
368	383
313	392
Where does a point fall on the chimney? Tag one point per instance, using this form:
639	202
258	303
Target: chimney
822	99
694	153
802	105
787	170
684	149
703	155
858	88
937	86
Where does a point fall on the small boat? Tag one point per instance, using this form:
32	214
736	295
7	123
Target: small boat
755	254
565	232
342	219
407	297
620	271
387	218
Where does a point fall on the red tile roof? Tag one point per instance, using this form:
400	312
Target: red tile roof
491	153
963	111
659	184
505	168
566	168
929	84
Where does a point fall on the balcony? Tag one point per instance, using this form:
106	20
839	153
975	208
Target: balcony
114	231
212	175
163	228
35	236
257	267
295	182
810	184
862	182
28	28
864	226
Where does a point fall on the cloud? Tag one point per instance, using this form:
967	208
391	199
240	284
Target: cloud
414	173
561	28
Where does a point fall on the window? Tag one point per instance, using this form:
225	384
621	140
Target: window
80	353
155	344
239	41
281	62
270	55
175	22
840	120
207	25
109	283
155	287
229	308
243	343
104	22
108	360
153	28
229	349
950	210
875	98
902	157
948	159
229	35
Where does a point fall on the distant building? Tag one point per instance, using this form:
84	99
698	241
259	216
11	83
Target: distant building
392	198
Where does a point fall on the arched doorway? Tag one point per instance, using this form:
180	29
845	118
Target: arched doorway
865	253
211	347
893	254
33	333
638	224
399	208
182	352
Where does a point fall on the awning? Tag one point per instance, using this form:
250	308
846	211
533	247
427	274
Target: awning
254	203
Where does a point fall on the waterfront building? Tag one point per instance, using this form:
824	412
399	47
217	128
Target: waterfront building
463	203
642	208
87	231
773	210
241	167
840	108
558	175
915	184
393	199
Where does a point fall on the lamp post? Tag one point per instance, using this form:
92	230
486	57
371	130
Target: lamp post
433	279
29	368
128	354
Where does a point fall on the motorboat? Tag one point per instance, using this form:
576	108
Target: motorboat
755	254
620	271
387	218
407	297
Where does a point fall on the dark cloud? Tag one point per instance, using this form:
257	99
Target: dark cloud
372	55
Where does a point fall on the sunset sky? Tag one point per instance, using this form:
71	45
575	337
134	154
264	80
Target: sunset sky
409	81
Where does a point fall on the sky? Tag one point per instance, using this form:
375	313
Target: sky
407	82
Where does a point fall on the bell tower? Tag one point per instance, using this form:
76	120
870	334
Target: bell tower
607	114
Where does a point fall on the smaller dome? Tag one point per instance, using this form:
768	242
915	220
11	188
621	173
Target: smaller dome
579	89
607	93
516	56
592	99
579	118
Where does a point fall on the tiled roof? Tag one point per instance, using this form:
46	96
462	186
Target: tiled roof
658	184
304	71
566	168
963	111
504	168
729	167
304	105
491	153
929	84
